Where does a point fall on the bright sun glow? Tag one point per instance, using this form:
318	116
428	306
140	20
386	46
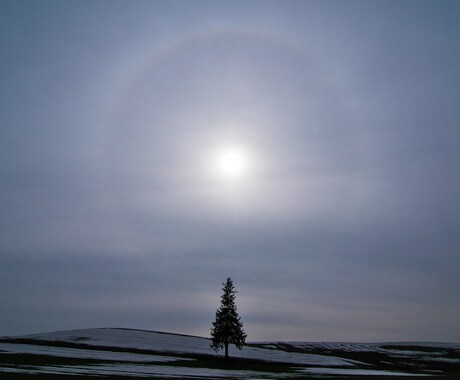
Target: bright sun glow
231	163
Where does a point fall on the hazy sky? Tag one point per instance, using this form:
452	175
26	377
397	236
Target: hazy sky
344	223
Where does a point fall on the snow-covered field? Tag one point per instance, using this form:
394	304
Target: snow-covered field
139	353
181	344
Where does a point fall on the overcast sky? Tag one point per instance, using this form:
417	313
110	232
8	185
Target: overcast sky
344	224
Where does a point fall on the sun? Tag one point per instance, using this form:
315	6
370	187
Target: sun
231	163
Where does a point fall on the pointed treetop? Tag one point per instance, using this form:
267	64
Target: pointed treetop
227	328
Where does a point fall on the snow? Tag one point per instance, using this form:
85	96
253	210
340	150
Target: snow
291	357
125	338
147	371
180	344
396	350
167	355
356	372
77	353
382	347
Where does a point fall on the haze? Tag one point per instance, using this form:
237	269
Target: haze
345	225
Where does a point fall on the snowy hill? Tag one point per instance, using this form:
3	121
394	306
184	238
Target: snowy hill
177	344
142	353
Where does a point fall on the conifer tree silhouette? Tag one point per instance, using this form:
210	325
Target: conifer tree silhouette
227	328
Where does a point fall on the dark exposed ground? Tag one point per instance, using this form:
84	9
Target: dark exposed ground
434	362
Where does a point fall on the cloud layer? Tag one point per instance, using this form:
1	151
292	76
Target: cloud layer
346	228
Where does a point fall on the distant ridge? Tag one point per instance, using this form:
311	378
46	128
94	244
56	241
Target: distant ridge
61	334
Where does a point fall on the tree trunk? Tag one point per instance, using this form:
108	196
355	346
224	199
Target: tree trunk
226	350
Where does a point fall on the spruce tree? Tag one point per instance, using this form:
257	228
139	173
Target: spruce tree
227	328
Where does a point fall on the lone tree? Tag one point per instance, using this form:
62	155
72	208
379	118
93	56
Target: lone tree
227	328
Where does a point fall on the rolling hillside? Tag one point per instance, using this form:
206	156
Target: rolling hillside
127	353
